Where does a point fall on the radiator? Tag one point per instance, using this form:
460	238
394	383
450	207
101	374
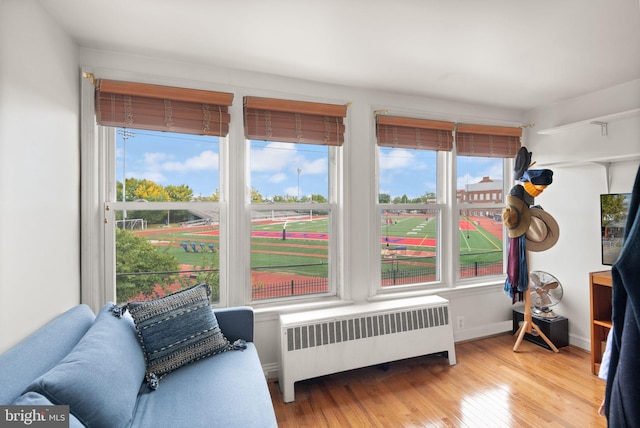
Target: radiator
321	342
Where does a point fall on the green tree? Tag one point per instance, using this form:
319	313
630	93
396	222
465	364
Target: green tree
181	193
287	199
134	255
147	190
215	197
208	271
384	198
401	199
613	210
318	198
256	196
424	199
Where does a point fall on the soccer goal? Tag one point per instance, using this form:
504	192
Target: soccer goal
132	224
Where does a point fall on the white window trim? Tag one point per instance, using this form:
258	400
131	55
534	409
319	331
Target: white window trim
448	250
97	150
335	243
507	179
98	247
92	190
443	194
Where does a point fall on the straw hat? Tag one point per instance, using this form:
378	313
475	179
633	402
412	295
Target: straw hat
516	216
543	231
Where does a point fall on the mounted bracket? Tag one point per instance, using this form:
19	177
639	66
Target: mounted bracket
603	127
607	173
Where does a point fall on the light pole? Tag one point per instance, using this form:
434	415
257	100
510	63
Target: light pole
299	171
125	135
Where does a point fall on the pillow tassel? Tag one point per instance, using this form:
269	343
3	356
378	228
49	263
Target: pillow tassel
152	381
240	344
118	311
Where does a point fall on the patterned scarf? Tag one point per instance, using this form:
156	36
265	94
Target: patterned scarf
517	281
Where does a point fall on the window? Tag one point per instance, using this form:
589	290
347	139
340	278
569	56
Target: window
482	153
294	152
413	199
410	152
164	203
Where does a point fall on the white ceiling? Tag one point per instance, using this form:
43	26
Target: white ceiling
511	53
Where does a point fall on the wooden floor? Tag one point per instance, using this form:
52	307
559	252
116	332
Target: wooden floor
491	386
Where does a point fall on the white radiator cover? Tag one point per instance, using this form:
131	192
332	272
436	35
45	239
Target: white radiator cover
321	342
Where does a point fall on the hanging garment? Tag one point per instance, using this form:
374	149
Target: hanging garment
517	281
622	395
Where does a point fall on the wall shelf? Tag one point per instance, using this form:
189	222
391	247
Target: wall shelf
600	120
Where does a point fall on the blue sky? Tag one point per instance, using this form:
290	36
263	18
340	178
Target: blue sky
278	168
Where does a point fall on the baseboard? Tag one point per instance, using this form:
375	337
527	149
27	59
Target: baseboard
482	331
270	370
580	342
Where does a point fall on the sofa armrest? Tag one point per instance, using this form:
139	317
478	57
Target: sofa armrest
236	322
43	349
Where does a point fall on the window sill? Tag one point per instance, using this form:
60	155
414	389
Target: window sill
273	312
443	291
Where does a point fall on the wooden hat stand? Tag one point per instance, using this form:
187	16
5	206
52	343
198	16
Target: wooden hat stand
528	326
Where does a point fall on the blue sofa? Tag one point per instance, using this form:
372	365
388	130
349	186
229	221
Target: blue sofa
95	365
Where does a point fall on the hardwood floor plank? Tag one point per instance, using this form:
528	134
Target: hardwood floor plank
491	386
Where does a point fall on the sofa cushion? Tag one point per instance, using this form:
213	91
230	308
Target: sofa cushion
35	399
101	377
42	350
176	330
229	389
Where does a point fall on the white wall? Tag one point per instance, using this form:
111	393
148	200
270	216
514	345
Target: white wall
39	170
573	198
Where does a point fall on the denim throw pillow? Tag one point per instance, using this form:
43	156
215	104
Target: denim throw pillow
176	330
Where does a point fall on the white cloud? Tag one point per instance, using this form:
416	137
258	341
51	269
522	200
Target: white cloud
278	178
273	157
318	166
155	176
154	158
293	191
396	158
206	160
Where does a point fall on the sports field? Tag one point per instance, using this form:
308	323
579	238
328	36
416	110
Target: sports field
477	234
296	250
409	247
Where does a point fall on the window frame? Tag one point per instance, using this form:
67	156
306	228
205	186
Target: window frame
443	162
98	245
98	204
507	178
449	208
112	205
334	244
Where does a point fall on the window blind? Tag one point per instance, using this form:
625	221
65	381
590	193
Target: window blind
162	108
393	131
289	121
487	141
